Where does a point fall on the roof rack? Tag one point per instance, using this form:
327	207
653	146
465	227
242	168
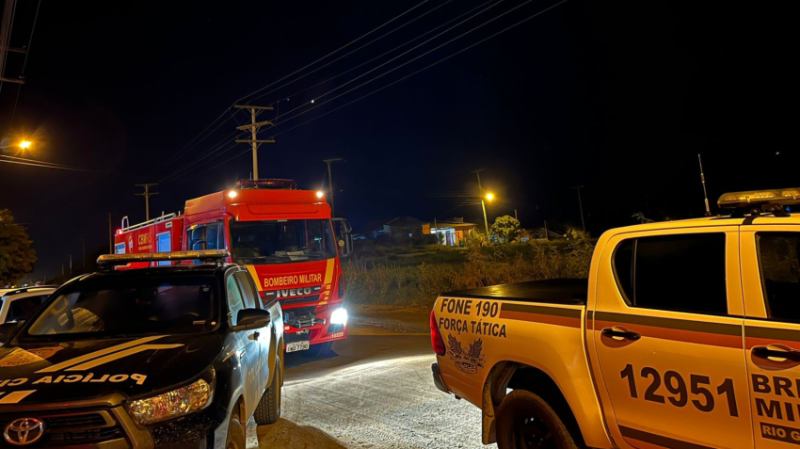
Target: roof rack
145	223
206	255
26	289
756	202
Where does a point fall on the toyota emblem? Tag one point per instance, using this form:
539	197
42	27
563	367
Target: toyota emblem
24	431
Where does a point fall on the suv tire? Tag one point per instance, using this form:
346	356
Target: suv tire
268	410
525	420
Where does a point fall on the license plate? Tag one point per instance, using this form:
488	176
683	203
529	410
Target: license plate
297	346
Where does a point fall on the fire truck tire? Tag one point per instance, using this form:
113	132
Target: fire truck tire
525	420
236	438
317	350
268	410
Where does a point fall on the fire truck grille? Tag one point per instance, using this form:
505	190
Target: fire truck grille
301	300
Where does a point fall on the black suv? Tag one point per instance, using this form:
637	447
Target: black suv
176	356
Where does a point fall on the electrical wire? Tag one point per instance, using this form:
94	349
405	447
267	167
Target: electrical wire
25	60
331	53
413	73
409	51
57	167
390	51
351	52
23	159
185	171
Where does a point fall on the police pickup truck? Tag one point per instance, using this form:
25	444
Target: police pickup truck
176	356
686	335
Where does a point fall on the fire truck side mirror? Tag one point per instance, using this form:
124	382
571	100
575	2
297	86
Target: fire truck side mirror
345	237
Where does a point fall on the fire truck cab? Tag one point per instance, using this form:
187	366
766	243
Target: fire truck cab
285	238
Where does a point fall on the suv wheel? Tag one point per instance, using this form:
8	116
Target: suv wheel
268	410
526	421
237	438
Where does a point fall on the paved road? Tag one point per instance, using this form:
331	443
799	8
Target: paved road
375	392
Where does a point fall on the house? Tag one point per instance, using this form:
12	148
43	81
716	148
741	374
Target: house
538	234
450	232
397	228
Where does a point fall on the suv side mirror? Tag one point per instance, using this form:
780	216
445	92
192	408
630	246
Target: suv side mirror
252	319
7	330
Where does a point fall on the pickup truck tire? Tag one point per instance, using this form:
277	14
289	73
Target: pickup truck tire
268	410
317	350
236	438
525	421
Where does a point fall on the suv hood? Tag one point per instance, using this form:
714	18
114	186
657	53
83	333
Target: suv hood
84	369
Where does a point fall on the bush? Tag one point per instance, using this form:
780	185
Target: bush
386	281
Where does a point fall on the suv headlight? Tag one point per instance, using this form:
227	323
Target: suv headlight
172	404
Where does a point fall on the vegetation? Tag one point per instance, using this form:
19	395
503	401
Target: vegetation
506	228
16	255
416	278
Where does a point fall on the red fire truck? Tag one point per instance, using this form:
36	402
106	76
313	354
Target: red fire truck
286	239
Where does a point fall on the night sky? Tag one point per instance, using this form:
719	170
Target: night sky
619	97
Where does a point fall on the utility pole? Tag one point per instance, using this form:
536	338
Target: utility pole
703	180
580	205
147	194
330	179
110	236
70	264
515	215
253	127
83	245
483	203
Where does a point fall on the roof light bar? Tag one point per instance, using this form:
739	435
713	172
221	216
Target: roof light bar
210	255
752	198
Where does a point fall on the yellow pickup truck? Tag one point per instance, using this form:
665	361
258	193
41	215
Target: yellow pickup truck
686	335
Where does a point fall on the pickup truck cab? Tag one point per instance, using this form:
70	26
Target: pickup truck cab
176	356
686	335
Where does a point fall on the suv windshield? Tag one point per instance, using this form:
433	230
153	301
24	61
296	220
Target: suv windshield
120	305
281	241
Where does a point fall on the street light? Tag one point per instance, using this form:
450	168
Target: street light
488	197
25	144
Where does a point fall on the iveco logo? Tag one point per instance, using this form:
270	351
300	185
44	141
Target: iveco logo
24	431
292	292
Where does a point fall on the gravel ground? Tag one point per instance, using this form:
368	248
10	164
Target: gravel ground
376	392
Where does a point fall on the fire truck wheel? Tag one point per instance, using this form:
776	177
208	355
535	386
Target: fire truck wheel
525	421
268	410
236	437
317	350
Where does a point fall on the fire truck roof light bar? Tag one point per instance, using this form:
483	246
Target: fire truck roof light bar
752	198
206	255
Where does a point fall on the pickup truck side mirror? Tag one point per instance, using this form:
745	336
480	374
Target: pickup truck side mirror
251	319
7	330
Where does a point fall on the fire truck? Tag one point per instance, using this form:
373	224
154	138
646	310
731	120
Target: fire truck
285	237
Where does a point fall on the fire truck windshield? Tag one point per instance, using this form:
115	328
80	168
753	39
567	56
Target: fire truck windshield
281	241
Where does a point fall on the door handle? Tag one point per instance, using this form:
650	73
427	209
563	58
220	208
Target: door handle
617	332
772	352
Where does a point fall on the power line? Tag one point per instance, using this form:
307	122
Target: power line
407	52
38	165
216	147
353	51
25	60
331	53
411	74
390	51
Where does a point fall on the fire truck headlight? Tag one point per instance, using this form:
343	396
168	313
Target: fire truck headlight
339	316
320	194
232	194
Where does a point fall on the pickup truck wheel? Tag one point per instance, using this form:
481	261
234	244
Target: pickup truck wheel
526	421
268	410
317	350
236	438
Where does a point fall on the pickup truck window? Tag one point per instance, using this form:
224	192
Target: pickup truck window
683	273
235	300
780	274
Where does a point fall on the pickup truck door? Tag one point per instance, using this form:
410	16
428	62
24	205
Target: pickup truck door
262	336
246	346
668	341
771	282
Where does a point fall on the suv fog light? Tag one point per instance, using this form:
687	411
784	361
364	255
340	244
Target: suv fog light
339	316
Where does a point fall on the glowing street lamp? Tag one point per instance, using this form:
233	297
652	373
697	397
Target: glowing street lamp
490	197
25	144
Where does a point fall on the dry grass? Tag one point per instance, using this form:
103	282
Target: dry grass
388	282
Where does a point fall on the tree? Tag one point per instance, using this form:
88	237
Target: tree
16	255
506	228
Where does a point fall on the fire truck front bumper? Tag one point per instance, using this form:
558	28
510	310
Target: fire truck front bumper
308	326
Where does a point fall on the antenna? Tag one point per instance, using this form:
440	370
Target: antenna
703	180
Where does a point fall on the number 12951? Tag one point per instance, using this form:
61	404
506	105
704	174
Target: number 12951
679	392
